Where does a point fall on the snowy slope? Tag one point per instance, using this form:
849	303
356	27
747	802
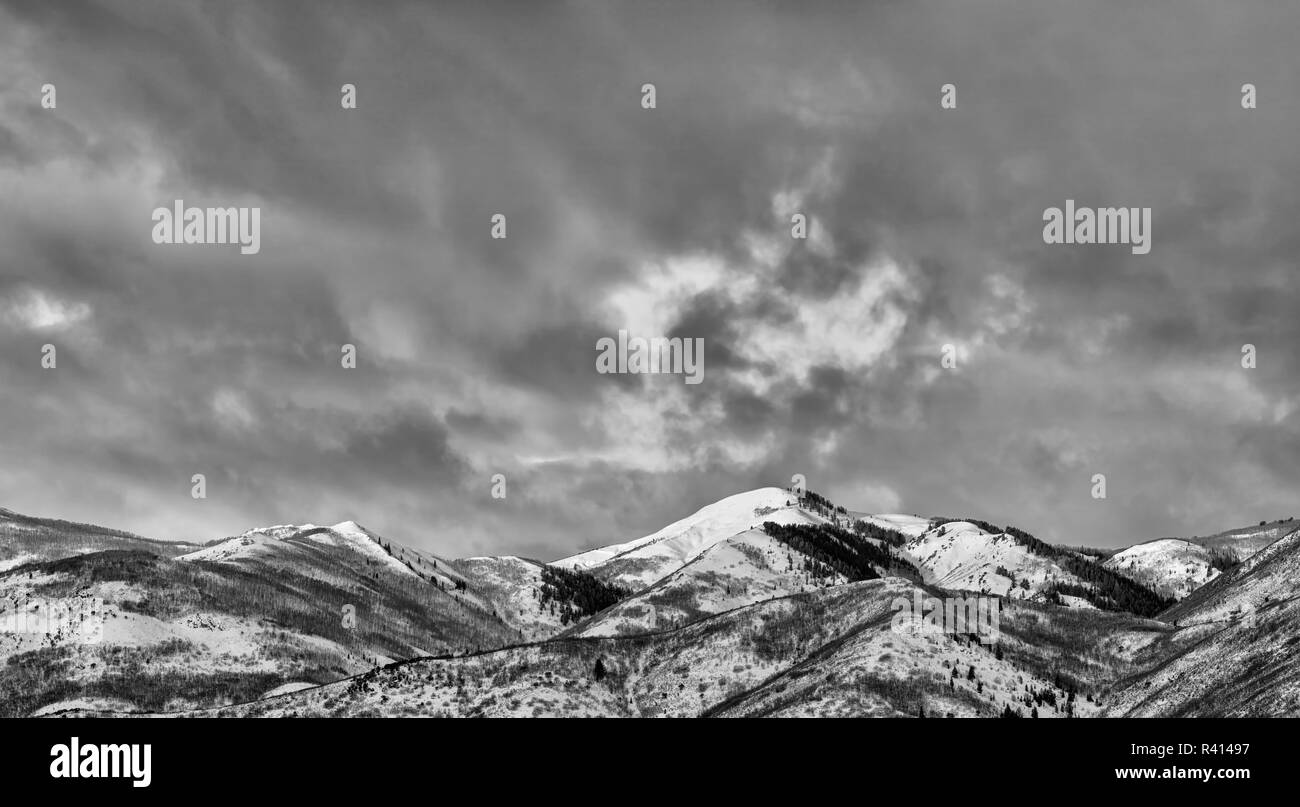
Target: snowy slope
1171	566
1268	576
963	557
681	672
881	672
911	526
1176	567
265	542
230	621
637	564
514	587
1234	651
742	570
285	544
139	618
829	651
252	544
1246	541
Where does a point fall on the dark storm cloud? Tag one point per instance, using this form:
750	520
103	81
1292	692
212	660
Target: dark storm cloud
476	356
716	319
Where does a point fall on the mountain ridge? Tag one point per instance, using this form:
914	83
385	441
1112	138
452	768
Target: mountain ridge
746	607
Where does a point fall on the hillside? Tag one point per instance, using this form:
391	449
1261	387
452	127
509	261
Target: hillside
742	570
536	600
228	622
828	651
1170	566
1175	567
28	539
1246	541
971	555
961	556
1234	651
1048	662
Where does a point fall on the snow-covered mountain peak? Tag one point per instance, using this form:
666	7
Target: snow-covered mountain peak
640	562
352	528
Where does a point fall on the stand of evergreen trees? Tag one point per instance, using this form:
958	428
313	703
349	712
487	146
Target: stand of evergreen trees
819	504
868	530
577	594
840	550
1091	551
1223	559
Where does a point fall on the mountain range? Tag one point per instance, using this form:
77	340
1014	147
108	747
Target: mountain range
768	602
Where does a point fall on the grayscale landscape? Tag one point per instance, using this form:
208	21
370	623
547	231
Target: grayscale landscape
614	358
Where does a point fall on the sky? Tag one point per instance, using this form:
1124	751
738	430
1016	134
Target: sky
477	356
